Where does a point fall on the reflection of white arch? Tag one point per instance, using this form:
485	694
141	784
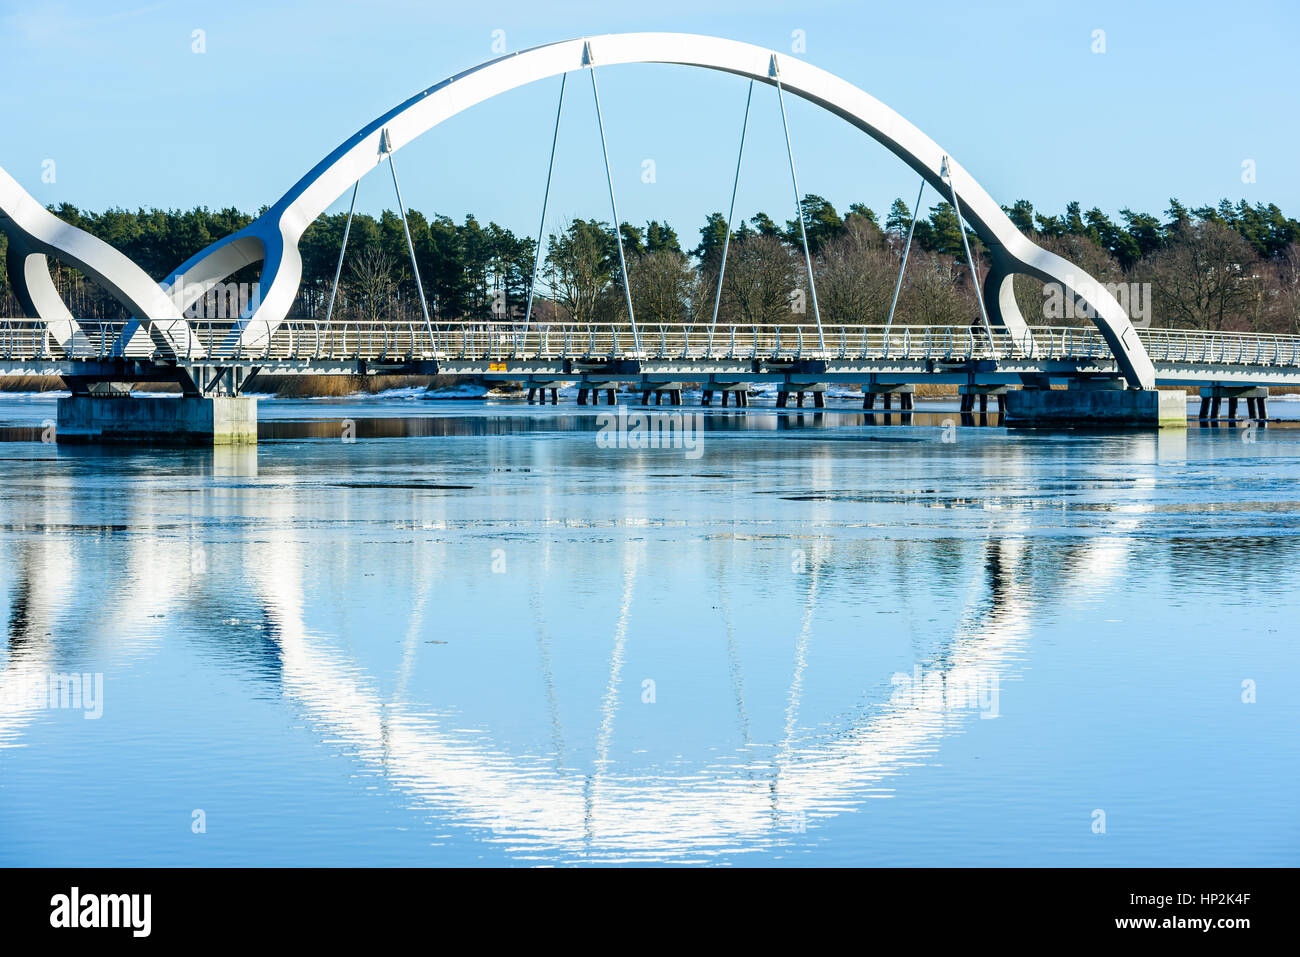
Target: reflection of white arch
528	803
531	804
275	234
523	798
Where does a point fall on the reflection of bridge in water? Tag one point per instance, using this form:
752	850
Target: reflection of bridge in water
584	798
1112	367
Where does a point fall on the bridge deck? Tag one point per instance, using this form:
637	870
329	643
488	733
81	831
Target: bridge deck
657	352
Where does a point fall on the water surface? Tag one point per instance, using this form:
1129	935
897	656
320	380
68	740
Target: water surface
485	639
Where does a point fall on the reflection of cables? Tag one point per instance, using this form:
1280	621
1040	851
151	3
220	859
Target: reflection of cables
975	587
901	580
548	677
800	658
413	632
733	656
974	607
609	706
543	636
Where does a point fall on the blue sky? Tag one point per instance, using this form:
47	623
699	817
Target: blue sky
1182	95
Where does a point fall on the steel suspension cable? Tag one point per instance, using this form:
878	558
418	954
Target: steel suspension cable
898	287
946	172
387	145
338	270
798	205
546	197
618	232
731	212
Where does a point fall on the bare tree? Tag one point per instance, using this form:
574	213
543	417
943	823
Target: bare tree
759	280
1206	279
1284	292
372	284
932	294
663	287
858	270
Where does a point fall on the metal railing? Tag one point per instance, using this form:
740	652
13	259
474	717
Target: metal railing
397	342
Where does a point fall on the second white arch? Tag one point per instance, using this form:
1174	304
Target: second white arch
274	236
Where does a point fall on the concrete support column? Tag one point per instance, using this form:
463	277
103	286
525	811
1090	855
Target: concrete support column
1212	400
148	420
973	395
737	392
1098	407
800	391
886	391
665	392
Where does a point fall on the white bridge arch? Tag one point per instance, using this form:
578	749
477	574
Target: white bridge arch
273	237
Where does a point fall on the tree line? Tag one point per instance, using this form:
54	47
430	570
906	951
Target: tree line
1234	267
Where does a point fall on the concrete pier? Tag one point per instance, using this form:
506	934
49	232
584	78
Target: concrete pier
738	390
150	420
1212	402
537	392
787	389
1096	408
886	392
594	389
672	391
979	394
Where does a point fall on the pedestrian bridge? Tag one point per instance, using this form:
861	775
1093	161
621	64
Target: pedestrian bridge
511	351
997	352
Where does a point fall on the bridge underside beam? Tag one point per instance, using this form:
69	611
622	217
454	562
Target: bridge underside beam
1010	371
200	378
